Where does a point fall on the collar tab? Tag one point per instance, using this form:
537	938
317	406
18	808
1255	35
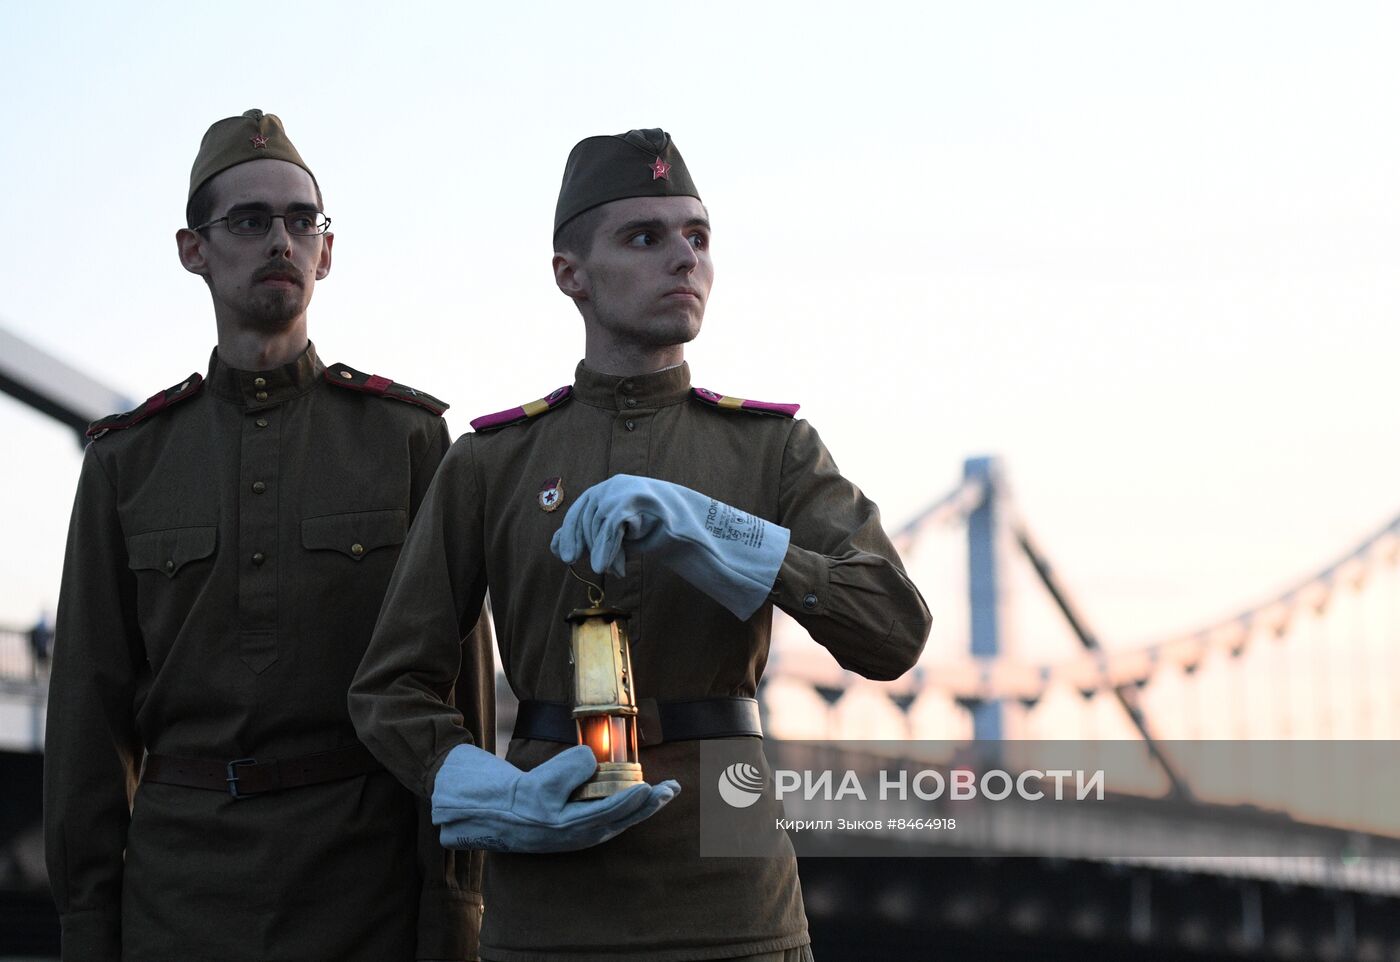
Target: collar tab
632	392
259	388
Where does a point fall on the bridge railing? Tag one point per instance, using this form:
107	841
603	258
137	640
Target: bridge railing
17	660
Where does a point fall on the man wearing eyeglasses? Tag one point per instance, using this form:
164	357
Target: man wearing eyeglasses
205	794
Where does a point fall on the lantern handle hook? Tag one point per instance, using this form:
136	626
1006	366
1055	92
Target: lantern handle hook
595	592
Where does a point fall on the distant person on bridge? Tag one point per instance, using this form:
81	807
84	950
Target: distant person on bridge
704	511
231	541
41	642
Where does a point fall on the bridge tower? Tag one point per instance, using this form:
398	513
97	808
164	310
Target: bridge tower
987	543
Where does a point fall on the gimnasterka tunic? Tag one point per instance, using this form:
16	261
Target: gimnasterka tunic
646	893
225	565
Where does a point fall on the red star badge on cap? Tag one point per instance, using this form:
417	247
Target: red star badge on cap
259	141
660	170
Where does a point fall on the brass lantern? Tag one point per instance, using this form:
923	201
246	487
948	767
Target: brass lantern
605	699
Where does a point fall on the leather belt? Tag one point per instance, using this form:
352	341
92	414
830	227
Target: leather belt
245	777
657	721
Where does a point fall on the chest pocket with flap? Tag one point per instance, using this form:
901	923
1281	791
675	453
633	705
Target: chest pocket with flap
355	534
169	550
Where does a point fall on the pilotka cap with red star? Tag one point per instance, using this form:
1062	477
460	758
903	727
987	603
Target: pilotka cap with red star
236	140
639	163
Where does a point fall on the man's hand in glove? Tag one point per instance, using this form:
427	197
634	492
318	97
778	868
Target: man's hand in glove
484	802
730	555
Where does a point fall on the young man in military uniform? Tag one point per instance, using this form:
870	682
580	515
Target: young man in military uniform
205	793
704	511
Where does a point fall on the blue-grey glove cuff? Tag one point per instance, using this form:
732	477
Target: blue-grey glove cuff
767	561
740	579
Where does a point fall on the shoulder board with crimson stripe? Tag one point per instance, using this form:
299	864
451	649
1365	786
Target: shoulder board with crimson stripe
153	405
525	412
343	375
727	403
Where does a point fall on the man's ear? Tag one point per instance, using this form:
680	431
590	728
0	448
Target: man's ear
571	276
323	266
191	246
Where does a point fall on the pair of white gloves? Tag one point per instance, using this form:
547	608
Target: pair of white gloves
483	802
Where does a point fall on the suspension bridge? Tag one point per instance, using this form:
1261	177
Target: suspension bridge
1313	666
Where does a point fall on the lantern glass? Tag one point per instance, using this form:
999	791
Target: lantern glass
595	731
605	703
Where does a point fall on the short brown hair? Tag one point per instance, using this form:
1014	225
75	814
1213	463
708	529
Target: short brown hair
576	234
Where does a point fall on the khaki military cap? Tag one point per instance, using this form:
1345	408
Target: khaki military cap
236	140
639	163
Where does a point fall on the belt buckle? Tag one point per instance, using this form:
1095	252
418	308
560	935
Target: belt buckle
232	778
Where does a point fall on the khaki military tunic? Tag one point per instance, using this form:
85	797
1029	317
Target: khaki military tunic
227	555
646	893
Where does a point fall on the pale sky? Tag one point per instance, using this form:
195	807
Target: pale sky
1146	253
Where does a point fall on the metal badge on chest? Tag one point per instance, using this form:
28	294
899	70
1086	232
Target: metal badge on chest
552	494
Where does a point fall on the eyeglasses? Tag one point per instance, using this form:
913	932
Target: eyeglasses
249	222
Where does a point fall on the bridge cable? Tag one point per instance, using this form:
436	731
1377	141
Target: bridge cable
1127	693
